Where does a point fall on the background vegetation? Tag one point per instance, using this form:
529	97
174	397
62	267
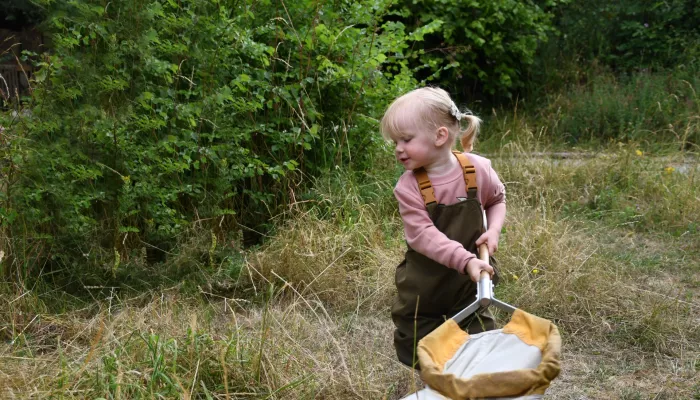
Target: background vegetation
195	200
149	119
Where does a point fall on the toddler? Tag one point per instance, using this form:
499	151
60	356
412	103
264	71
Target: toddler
441	197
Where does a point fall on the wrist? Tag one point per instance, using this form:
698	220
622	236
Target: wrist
466	265
496	230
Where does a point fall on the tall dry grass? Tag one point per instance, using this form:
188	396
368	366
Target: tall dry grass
308	317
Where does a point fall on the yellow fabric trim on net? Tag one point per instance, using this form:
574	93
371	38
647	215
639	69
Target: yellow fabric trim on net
440	345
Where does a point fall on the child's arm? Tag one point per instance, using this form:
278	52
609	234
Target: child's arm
495	215
492	194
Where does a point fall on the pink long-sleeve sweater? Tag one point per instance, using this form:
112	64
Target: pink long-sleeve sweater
420	232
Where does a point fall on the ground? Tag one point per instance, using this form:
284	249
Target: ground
607	247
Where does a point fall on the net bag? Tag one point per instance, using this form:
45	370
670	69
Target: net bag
516	362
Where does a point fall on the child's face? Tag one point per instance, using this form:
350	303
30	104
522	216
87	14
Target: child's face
415	147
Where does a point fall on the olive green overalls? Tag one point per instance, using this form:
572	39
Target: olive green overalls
429	292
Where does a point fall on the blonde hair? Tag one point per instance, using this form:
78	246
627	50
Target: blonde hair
434	108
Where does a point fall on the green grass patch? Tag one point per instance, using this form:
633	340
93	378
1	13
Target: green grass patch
659	111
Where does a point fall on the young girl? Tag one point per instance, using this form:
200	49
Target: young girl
441	196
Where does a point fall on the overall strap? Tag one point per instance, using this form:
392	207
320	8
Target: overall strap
426	187
469	174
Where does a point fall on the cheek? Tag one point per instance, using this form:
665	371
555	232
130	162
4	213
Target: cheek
417	148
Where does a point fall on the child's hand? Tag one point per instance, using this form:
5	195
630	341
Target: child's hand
474	268
490	237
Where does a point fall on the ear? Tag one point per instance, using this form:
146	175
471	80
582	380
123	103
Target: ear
442	136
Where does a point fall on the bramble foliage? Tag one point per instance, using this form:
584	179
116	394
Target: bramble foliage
18	13
476	47
150	118
625	70
632	34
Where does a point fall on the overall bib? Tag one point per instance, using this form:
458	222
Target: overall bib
429	292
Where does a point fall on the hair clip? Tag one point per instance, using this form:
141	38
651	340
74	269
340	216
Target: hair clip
455	112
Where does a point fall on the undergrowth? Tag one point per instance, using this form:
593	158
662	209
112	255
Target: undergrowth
659	111
308	314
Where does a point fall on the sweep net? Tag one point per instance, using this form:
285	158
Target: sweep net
516	362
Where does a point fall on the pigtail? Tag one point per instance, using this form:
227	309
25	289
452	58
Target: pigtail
468	135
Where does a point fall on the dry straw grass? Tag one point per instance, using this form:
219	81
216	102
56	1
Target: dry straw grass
309	317
339	247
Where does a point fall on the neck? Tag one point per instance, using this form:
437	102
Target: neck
442	165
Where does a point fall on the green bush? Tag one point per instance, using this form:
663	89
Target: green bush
476	47
152	118
656	108
631	34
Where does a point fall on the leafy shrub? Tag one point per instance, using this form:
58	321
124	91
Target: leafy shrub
652	107
474	47
151	118
632	34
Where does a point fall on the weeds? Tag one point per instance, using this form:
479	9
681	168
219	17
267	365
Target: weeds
604	243
658	111
308	317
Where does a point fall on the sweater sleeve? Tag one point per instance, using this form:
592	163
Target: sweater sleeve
491	189
421	233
